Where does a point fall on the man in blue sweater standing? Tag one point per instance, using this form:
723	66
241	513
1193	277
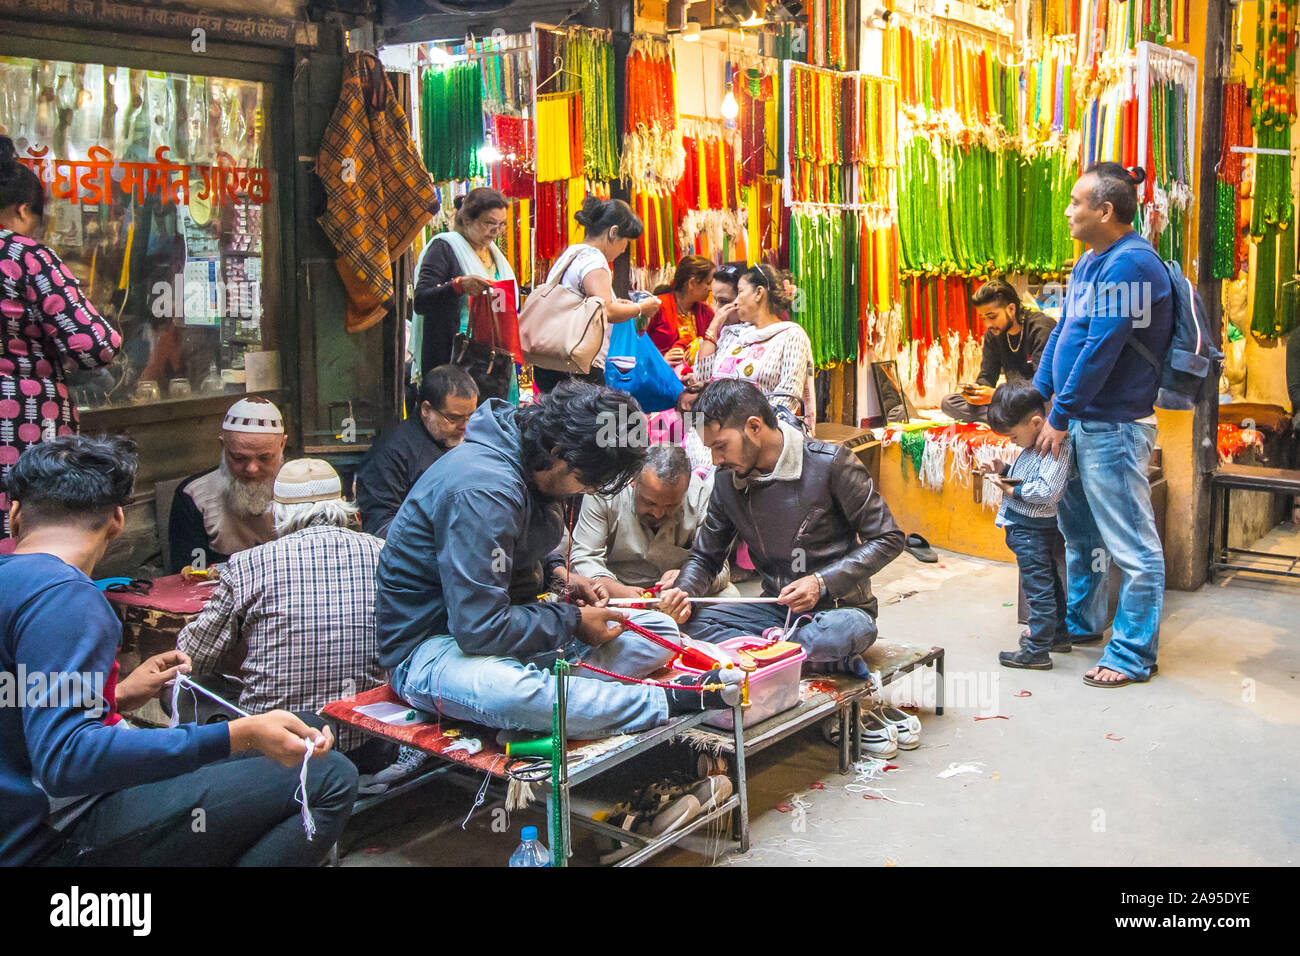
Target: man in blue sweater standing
1102	394
79	787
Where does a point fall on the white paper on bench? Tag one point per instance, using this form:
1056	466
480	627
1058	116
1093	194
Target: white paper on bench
399	715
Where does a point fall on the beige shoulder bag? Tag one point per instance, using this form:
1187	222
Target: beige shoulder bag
560	329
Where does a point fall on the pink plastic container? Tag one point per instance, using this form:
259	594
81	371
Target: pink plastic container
772	689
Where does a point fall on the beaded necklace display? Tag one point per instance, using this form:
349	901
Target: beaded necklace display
652	149
1231	225
1273	214
451	121
559	136
588	60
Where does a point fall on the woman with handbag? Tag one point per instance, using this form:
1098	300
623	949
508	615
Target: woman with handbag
455	267
584	268
753	339
684	315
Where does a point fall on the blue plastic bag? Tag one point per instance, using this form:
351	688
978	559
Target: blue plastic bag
635	366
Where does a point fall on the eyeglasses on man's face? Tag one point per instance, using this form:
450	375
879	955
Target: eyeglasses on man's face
455	421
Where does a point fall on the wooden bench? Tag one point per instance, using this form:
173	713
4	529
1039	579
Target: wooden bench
1274	481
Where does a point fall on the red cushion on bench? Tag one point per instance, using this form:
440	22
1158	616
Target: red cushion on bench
431	738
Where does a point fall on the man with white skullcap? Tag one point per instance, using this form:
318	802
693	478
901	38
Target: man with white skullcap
228	509
302	606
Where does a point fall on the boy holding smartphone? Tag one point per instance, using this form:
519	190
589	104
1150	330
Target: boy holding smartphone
1031	487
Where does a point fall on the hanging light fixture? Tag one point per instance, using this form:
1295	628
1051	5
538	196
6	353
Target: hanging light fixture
730	108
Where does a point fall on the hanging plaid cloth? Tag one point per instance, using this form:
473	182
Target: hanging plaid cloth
378	193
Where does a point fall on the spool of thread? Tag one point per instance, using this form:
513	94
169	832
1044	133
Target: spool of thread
541	747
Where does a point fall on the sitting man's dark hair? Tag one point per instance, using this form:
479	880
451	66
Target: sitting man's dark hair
73	479
573	424
1012	403
444	381
730	402
996	290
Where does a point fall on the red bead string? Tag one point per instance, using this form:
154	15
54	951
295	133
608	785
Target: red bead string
651	683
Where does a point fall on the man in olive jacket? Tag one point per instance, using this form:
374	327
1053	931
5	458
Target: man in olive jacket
815	526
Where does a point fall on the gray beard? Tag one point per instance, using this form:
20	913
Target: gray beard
248	499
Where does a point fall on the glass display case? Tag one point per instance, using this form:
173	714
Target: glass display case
157	184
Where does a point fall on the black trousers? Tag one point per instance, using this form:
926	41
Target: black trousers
236	812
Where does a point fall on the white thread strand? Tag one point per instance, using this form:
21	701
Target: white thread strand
478	800
308	824
300	795
207	693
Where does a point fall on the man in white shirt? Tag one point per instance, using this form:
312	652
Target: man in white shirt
639	537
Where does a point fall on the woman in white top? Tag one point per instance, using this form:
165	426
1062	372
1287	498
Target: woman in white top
751	339
610	225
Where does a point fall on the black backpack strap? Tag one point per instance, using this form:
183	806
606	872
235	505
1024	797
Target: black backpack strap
1146	353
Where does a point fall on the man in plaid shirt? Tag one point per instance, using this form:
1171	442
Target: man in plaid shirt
303	604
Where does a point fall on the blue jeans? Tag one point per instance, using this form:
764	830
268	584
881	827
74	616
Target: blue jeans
511	694
836	634
1044	593
1105	514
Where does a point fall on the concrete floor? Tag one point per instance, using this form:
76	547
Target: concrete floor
1197	767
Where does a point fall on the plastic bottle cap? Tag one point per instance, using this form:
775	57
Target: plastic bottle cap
529	833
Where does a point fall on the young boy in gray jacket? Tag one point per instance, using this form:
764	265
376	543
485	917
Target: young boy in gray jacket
1031	487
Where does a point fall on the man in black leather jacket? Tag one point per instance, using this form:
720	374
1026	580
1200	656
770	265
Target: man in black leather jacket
816	529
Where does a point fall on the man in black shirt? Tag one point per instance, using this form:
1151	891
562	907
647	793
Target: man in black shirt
1013	341
447	398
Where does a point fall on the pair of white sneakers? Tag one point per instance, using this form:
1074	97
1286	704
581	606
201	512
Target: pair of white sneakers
885	731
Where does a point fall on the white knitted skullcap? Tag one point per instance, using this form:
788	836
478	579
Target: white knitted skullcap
307	479
256	415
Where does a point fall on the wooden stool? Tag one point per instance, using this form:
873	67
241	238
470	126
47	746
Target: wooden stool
1277	481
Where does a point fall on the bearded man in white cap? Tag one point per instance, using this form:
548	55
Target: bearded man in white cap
303	605
228	509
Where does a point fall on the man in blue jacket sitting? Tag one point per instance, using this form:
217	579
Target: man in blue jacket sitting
79	787
457	614
1102	393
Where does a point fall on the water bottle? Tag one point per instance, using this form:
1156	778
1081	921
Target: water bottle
530	852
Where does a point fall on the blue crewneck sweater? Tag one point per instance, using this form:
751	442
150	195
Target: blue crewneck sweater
54	624
1086	369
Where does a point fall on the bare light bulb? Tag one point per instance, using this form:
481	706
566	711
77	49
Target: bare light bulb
730	108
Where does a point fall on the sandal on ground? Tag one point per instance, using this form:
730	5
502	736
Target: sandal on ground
920	549
1093	682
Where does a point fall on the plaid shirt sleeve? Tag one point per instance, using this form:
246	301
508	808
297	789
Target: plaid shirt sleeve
216	628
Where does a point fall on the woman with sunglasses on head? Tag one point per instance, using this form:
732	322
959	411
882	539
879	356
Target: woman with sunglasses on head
455	265
46	326
753	339
726	280
610	226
